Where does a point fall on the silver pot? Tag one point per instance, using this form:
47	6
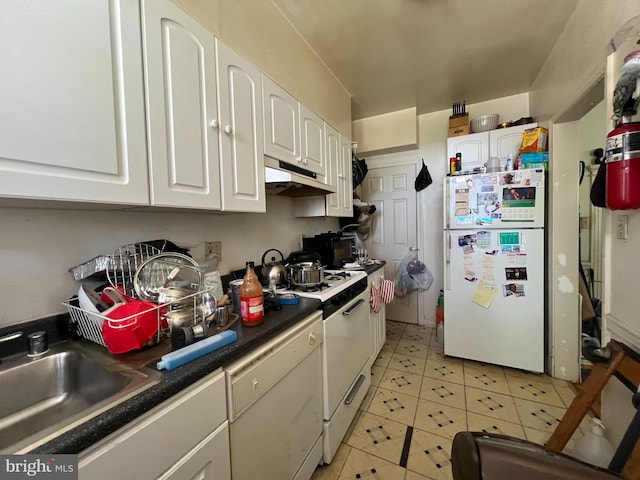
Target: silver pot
306	274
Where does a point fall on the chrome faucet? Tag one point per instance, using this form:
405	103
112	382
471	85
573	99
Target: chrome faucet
38	343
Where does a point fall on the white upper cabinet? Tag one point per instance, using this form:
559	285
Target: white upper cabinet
180	74
241	137
71	92
338	158
345	178
312	137
476	148
334	160
507	141
281	123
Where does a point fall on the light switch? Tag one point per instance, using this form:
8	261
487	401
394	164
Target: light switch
622	227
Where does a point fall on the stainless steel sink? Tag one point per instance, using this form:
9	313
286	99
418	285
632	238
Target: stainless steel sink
45	396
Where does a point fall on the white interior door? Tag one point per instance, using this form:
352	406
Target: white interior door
394	227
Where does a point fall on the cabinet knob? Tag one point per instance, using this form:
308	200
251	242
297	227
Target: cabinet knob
312	338
214	123
341	176
228	130
304	160
299	159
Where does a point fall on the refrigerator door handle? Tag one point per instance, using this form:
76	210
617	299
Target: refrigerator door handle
445	207
447	261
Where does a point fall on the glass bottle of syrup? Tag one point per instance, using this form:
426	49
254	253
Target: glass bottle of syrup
251	299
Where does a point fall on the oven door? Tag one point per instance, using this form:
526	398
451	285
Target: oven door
345	350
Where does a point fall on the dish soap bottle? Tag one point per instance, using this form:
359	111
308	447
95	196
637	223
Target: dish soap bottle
251	299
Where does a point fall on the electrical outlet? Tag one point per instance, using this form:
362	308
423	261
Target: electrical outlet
213	248
622	227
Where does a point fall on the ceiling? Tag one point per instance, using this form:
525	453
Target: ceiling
397	54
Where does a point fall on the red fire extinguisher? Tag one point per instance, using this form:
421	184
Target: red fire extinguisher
623	167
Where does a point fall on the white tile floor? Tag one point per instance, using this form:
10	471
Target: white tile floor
415	385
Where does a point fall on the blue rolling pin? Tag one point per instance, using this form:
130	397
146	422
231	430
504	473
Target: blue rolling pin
191	352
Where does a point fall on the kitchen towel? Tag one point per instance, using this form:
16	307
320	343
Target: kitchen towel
386	290
374	299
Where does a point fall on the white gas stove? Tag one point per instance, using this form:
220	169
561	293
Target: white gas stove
345	350
338	288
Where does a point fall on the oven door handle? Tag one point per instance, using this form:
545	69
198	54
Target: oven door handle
354	390
353	308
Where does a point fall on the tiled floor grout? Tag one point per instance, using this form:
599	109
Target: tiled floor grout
360	458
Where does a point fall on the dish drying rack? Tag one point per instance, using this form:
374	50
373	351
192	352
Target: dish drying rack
123	269
89	324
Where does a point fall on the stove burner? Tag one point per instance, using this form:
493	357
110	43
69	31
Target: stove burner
336	276
311	288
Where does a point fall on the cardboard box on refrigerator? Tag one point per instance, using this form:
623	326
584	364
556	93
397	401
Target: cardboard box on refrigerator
461	130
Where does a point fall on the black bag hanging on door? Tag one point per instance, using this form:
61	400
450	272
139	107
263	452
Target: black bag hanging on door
423	180
598	188
359	169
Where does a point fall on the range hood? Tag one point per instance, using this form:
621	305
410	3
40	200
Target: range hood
282	178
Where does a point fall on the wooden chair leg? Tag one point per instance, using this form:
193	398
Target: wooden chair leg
591	388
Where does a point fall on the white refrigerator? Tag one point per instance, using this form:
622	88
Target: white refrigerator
494	268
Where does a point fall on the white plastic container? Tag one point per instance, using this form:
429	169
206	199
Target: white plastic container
493	165
593	447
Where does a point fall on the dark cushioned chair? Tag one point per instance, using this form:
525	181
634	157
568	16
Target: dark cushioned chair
483	456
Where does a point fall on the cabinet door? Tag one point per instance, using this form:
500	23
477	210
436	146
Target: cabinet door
145	448
207	461
507	141
241	139
281	123
334	168
313	142
378	319
474	149
71	90
345	178
179	59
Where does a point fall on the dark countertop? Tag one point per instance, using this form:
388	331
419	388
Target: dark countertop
174	381
374	266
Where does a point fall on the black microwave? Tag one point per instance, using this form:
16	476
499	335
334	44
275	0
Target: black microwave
335	249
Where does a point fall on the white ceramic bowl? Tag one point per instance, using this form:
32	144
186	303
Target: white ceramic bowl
484	123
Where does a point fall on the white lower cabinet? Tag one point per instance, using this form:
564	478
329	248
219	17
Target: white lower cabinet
378	326
186	437
209	460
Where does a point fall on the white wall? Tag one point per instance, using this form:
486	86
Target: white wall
563	301
433	129
257	30
38	246
576	62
